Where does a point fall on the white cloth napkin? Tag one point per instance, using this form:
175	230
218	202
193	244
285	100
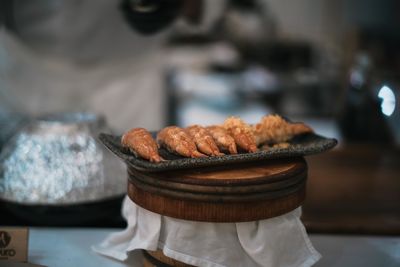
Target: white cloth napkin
280	241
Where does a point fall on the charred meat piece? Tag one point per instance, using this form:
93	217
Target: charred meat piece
275	129
224	141
242	133
204	141
140	142
177	141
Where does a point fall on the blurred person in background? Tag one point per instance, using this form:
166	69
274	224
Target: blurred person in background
79	55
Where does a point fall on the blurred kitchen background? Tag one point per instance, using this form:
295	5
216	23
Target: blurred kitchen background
333	64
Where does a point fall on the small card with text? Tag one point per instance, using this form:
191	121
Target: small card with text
14	243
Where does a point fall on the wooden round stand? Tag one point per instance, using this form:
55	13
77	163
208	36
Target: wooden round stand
246	192
158	259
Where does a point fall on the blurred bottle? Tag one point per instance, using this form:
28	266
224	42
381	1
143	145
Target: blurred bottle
361	118
247	24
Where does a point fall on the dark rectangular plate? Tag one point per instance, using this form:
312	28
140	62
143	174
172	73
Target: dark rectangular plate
302	145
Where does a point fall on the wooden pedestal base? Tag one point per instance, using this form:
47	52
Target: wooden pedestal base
247	192
158	259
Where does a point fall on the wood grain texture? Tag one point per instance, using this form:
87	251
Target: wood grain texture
253	198
181	188
258	172
146	263
354	189
158	259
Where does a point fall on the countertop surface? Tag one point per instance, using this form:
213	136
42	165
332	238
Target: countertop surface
62	247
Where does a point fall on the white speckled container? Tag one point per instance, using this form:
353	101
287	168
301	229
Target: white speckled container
57	160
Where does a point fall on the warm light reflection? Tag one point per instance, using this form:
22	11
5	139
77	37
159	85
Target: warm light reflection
388	100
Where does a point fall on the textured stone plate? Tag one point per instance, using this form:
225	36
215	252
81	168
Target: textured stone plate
299	146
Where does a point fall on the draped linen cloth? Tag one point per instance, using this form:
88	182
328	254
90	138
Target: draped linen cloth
279	241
